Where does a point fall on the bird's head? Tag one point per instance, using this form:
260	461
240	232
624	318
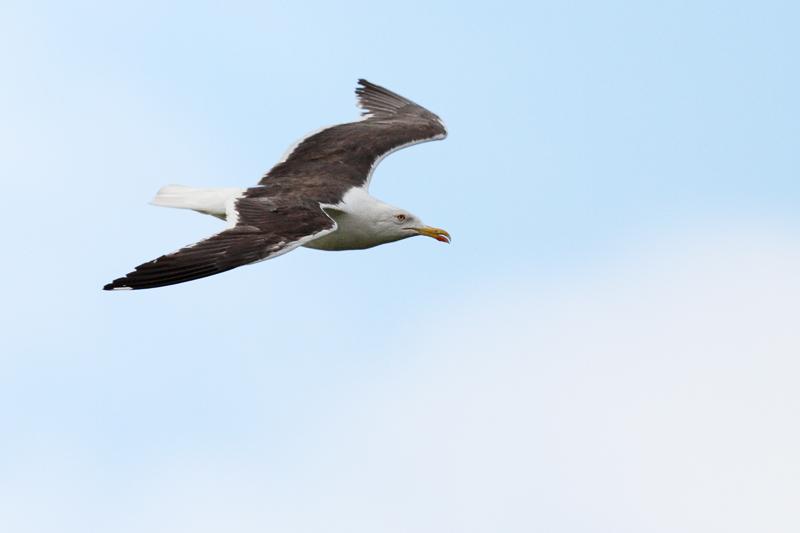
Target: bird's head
401	224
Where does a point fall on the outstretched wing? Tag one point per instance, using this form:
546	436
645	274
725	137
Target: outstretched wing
265	229
329	162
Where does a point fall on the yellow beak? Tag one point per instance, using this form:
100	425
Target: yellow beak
434	233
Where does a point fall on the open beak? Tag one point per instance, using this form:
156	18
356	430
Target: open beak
435	233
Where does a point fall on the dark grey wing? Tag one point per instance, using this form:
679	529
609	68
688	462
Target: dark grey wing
328	163
264	230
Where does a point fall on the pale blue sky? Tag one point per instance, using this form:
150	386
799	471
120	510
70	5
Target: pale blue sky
621	182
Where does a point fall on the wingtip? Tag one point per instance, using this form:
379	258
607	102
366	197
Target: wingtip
362	86
366	85
114	286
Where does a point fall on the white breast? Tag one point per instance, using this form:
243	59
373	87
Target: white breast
358	219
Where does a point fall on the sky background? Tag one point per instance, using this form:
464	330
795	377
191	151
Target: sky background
610	344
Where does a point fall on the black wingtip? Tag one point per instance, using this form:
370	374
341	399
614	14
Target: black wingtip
362	86
119	284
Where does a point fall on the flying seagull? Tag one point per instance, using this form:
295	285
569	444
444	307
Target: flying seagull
316	197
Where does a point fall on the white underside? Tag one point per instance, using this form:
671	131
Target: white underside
357	218
355	215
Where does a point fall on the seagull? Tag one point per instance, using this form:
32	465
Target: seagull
317	196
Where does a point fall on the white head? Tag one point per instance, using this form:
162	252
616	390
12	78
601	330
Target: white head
395	224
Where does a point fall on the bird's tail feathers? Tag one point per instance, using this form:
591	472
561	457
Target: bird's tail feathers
211	201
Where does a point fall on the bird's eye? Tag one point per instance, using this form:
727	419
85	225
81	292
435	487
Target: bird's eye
400	218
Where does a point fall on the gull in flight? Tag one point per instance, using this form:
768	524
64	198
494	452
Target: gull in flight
317	197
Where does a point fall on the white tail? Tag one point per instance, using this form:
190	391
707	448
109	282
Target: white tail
215	202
